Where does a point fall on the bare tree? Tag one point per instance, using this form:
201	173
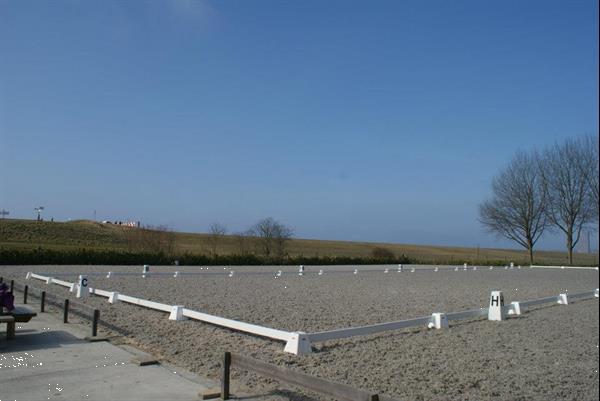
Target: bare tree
242	240
383	254
517	207
216	232
151	239
272	237
589	162
566	181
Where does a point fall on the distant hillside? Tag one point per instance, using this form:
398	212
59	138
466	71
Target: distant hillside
28	234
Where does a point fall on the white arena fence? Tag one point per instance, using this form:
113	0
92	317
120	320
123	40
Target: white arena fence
565	267
228	271
299	342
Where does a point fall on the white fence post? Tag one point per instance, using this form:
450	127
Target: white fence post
113	297
496	311
514	309
298	344
177	313
438	321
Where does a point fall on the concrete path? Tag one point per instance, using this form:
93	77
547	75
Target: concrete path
49	360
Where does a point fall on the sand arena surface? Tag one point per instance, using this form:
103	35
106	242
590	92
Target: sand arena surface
550	353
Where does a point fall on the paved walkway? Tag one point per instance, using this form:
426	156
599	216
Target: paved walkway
49	360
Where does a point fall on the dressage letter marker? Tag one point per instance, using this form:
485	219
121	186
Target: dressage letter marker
82	287
496	311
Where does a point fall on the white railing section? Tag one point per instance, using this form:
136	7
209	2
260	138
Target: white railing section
268	332
564	267
237	325
363	269
468	314
539	301
145	303
300	342
365	330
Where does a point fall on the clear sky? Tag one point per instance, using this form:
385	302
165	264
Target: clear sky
374	121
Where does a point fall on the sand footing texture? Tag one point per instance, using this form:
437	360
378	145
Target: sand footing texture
550	352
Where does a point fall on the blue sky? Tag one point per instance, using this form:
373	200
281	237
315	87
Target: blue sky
370	121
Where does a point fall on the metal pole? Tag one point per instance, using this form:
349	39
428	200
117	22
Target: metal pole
25	290
95	322
12	286
43	302
225	380
66	312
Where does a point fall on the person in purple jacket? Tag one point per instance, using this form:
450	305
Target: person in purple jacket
7	299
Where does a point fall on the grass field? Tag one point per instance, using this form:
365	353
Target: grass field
28	234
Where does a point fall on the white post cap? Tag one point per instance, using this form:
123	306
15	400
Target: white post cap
113	297
298	344
438	321
514	309
177	313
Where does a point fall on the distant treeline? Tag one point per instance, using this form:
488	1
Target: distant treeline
43	256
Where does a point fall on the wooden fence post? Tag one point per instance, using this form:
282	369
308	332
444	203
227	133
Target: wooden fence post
25	290
95	322
66	312
43	302
225	380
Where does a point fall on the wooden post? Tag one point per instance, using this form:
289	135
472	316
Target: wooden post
95	322
66	312
12	286
25	290
225	379
43	302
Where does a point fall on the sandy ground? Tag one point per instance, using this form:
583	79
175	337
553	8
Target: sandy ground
549	353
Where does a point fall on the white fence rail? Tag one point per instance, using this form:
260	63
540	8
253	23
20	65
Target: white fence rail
564	267
268	332
468	314
237	325
300	342
365	330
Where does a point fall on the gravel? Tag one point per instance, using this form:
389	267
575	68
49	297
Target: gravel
549	353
